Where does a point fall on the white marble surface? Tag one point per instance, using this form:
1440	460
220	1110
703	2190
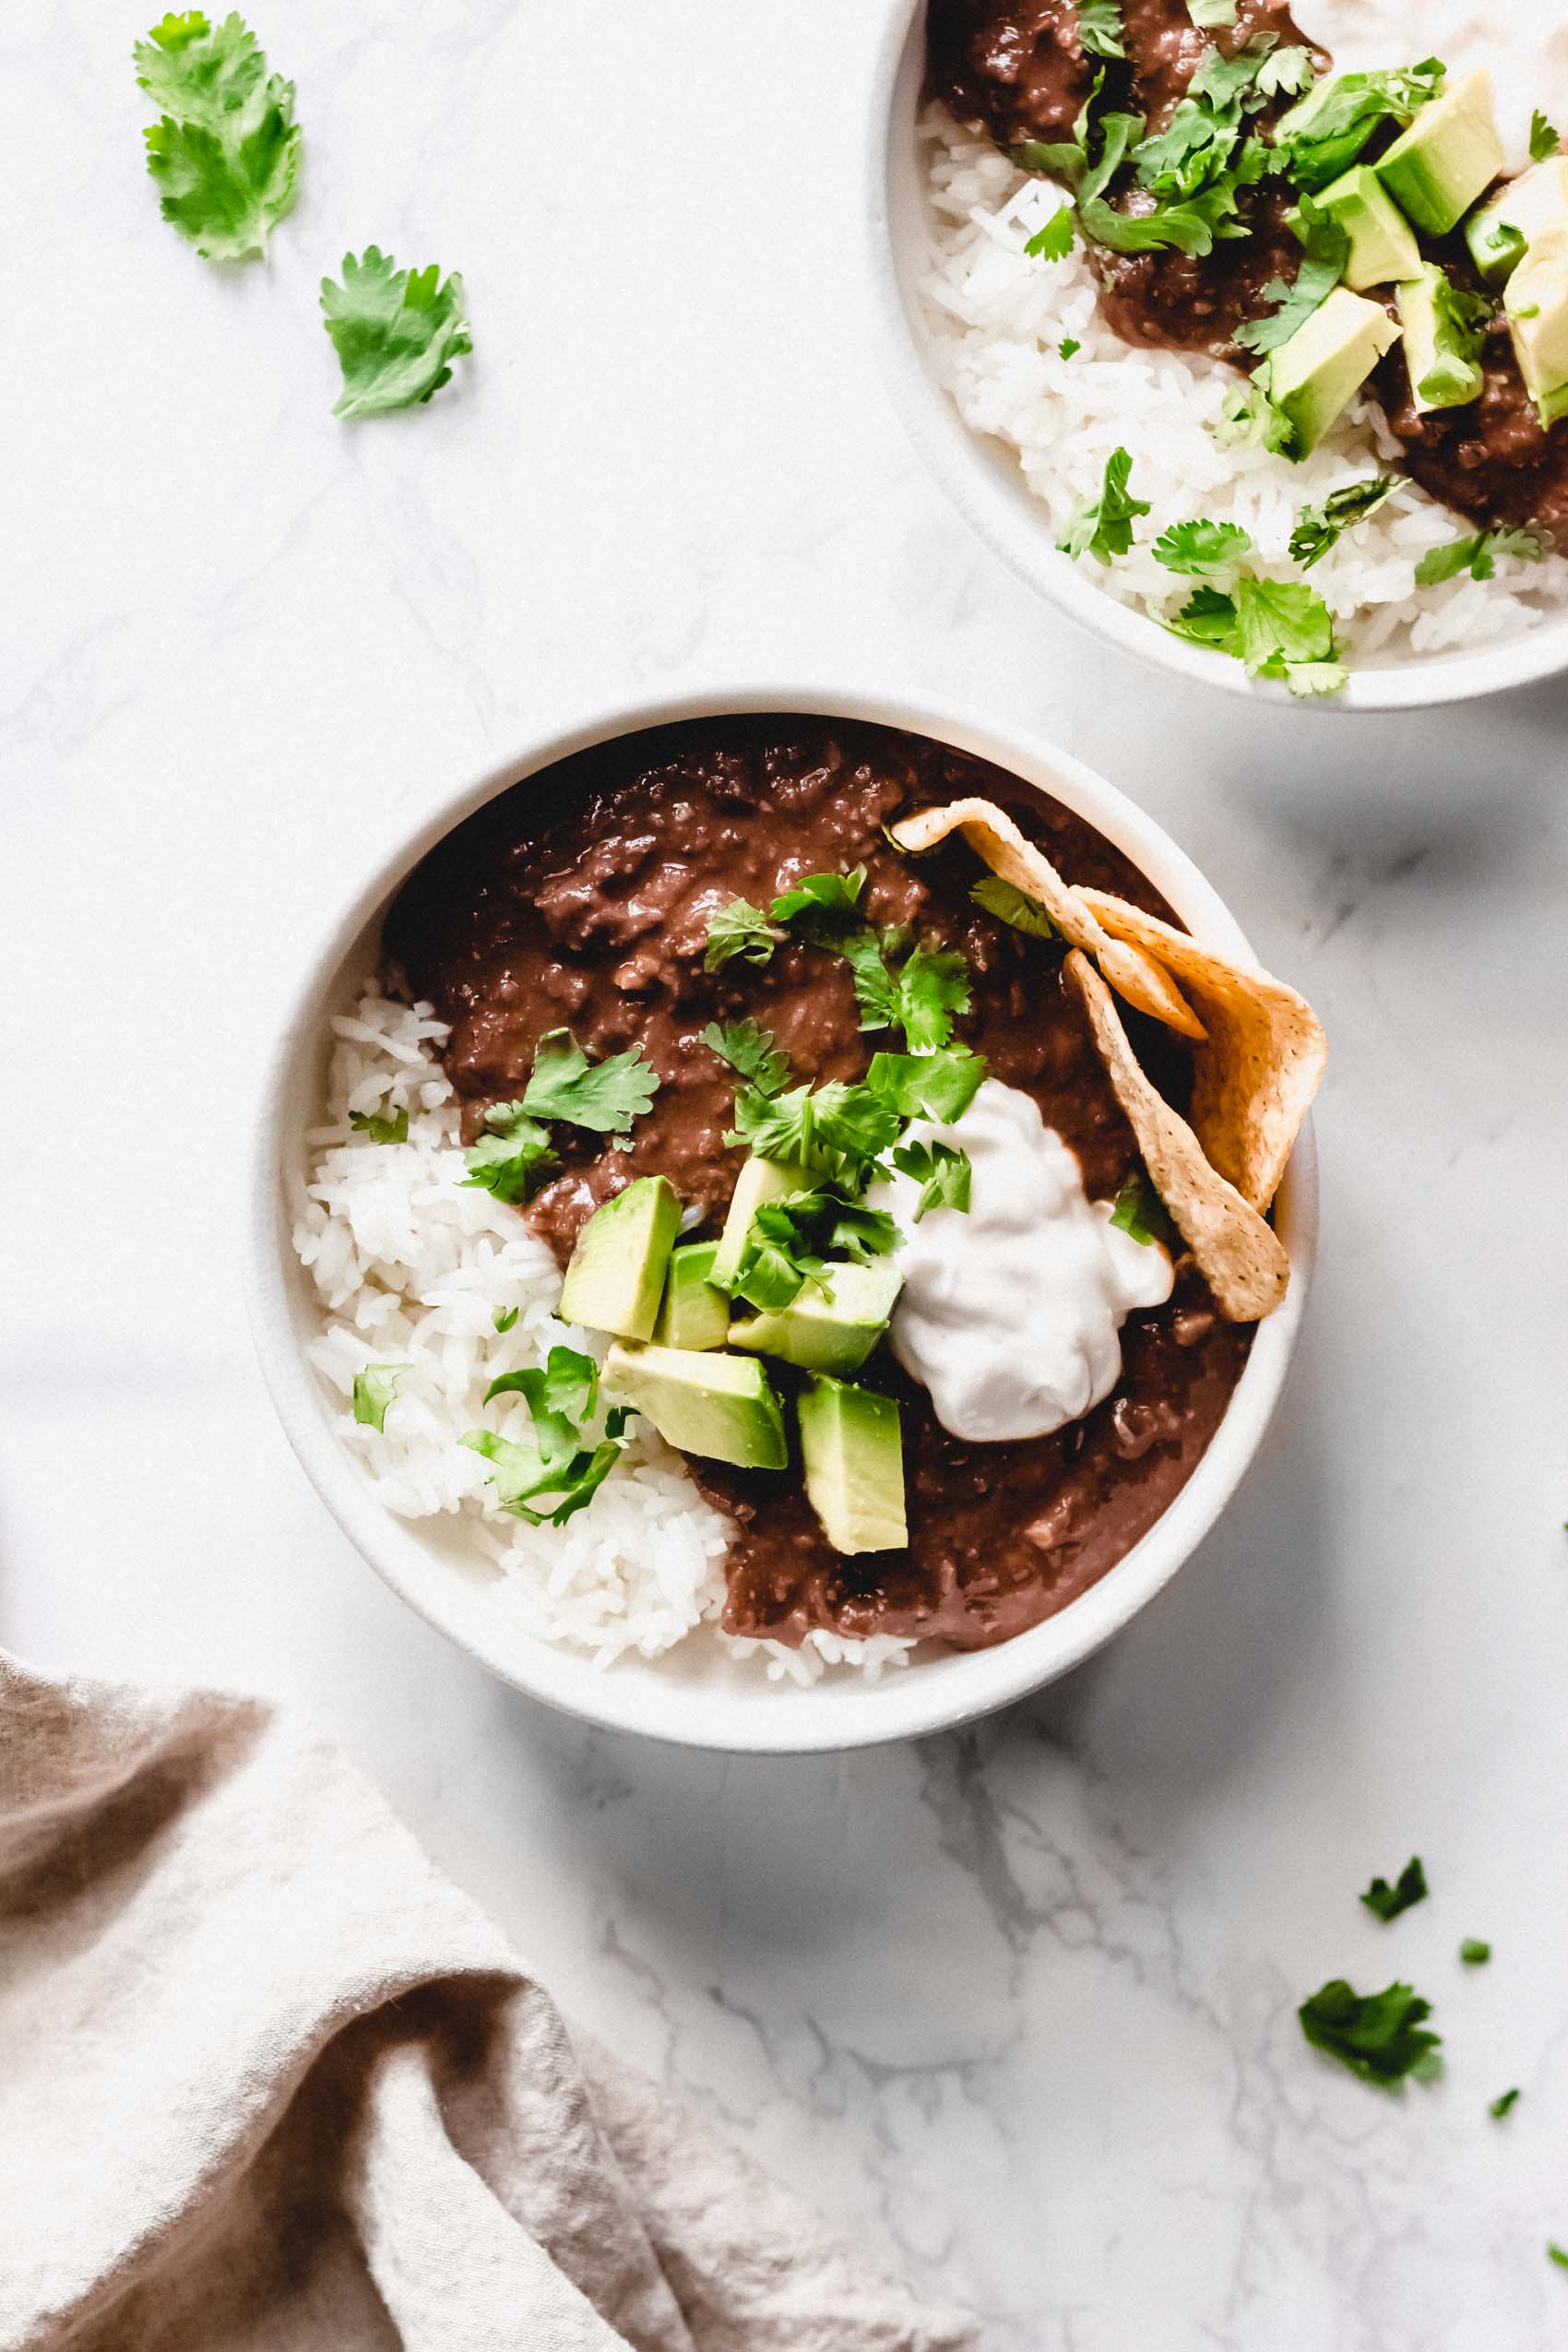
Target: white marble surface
1017	2006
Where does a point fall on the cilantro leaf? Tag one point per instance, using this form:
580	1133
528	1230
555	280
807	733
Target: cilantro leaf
942	1171
554	1462
379	1127
1386	1902
503	1318
1140	1212
1249	414
1054	241
790	1241
933	985
1501	2105
1476	553
1556	2253
513	1157
1100	28
604	1096
1324	135
876	992
1317	527
225	155
1459	324
939	1085
1207	13
1474	1952
820	906
833	1128
1279	621
749	1049
1208	617
1378	2036
1067	346
374	1389
1310	677
1103	526
1010	905
1201	548
1285	72
1545	139
396	332
1326	250
739	929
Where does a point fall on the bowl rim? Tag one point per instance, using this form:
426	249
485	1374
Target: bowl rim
838	1712
980	478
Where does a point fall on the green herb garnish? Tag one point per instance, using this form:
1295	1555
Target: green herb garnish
1277	628
1103	526
919	996
1248	414
749	1049
1285	73
1474	1952
1459	326
1545	138
374	1389
739	929
939	1084
503	1318
396	332
1322	137
379	1127
1010	905
604	1096
790	1242
821	906
1054	240
943	1172
1556	2253
1140	1211
1501	2106
1200	549
1386	1902
226	153
1208	14
1478	552
561	1395
1100	28
1067	346
1317	527
1379	2036
837	1129
513	1157
1326	250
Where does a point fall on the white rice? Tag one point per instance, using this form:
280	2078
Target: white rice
998	318
411	1265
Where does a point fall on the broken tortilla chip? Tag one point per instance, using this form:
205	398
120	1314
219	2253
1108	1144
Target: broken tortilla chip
1257	1072
1240	1256
992	833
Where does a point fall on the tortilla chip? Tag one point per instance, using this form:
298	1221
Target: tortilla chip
1241	1257
992	832
1253	1079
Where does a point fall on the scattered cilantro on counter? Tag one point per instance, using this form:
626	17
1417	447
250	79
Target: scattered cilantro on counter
1474	1952
1317	527
1103	526
739	929
749	1049
555	1462
1386	1902
604	1096
396	332
504	1318
942	1173
1276	629
514	1156
379	1127
1326	250
374	1388
1100	29
1477	555
225	153
1140	1211
1556	2253
1502	2105
1545	138
1379	2036
1201	548
1010	905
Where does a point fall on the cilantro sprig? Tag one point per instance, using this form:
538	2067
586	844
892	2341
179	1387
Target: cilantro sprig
1201	549
1276	628
1476	553
381	1127
1386	1902
1102	527
1139	1211
1100	31
225	153
554	1464
750	1052
790	1242
514	1156
943	1172
739	929
1545	138
1324	135
396	332
1379	2036
1326	248
1317	527
1012	906
376	1389
604	1096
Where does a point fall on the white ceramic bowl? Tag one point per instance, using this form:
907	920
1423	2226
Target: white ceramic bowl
697	1697
985	483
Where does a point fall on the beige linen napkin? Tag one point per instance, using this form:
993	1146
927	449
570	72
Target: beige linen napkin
269	2084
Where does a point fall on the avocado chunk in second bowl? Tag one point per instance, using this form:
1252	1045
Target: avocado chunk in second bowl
852	1446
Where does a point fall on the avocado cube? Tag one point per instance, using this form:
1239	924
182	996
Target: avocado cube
1449	156
1313	376
616	1276
831	1331
760	1181
694	1315
1383	244
1439	379
1536	302
1498	235
723	1406
852	1447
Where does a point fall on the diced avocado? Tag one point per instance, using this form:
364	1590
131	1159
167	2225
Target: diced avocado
1498	235
694	1315
1312	378
1441	377
723	1406
1449	156
760	1181
852	1447
1383	244
833	1332
616	1276
1536	305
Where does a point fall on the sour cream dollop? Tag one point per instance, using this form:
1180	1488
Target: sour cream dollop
1011	1310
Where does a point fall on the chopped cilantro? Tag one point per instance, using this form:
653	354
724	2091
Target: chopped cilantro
396	332
1140	1212
749	1049
1010	905
374	1389
1474	1952
1054	240
1186	167
1386	1902
1100	28
1477	555
1067	346
1459	324
739	929
1326	248
1285	72
1379	2036
920	997
942	1171
821	905
225	155
513	1157
1322	137
1545	138
1103	526
876	992
1317	527
790	1241
939	1084
379	1127
1208	14
1556	2253
1277	628
561	1395
1201	548
503	1318
1249	414
836	1129
604	1096
1502	2103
